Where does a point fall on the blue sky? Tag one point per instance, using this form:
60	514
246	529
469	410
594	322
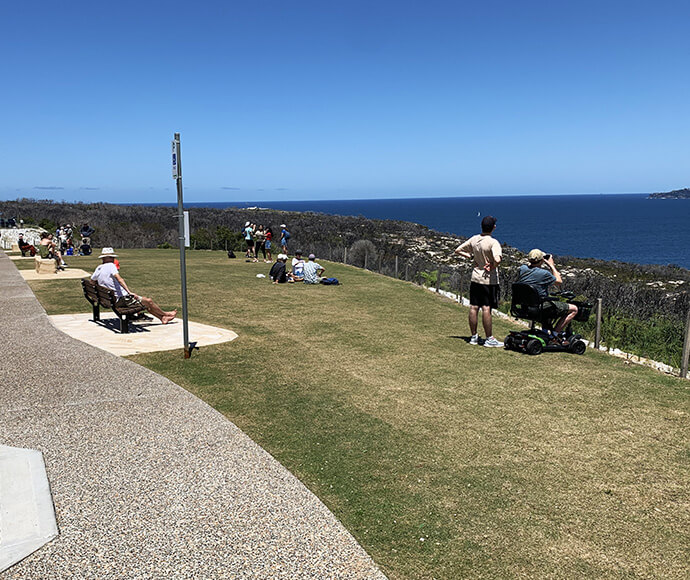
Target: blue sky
306	100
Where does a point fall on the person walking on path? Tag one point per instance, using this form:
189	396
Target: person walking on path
484	289
107	275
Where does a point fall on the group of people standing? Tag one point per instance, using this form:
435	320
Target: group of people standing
540	272
260	240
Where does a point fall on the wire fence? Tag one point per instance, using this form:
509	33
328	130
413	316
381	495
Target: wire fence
658	338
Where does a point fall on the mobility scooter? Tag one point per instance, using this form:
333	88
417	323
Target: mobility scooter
528	305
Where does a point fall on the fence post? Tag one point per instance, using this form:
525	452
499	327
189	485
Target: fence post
407	264
380	260
597	335
345	258
438	280
396	267
686	349
366	260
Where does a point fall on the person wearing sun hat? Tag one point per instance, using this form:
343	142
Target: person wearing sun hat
540	273
107	275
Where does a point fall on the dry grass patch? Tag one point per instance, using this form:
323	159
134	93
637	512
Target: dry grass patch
443	459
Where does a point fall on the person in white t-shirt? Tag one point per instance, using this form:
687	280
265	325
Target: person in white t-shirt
107	275
297	274
486	253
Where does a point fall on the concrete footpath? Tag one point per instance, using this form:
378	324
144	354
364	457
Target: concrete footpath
147	480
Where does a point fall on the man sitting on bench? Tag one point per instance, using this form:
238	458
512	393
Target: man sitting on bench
540	274
25	246
107	275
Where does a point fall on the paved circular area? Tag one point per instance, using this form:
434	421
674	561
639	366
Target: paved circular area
143	336
147	480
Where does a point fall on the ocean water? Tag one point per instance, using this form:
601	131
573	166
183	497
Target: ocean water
628	228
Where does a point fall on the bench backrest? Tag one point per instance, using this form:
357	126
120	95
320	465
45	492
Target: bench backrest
95	293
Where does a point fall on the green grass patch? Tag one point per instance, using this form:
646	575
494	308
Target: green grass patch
444	460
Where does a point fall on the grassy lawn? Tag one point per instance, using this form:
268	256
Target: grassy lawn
444	460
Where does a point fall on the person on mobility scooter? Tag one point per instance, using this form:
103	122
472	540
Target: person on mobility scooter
531	300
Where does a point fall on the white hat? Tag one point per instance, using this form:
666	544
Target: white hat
108	253
245	225
282	256
283	226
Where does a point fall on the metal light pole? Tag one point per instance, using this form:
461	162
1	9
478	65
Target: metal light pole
177	176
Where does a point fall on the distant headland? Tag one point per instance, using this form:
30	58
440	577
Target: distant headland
675	194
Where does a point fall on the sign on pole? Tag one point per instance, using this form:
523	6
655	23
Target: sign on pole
175	159
186	230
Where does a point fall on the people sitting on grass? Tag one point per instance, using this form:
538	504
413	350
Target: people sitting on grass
25	247
107	275
297	274
313	271
48	251
278	273
540	273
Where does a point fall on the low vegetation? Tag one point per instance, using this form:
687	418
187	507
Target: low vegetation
444	460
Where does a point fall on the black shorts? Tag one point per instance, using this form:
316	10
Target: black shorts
484	294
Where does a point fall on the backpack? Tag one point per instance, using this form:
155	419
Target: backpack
330	281
231	254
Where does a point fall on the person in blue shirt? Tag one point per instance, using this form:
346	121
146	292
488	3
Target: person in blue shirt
284	237
540	273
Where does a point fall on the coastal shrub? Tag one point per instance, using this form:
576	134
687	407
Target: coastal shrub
363	253
657	338
47	224
164	246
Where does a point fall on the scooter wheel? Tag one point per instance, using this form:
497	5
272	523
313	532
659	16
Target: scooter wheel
533	347
509	342
578	347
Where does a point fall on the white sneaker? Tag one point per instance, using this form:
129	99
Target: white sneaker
474	339
491	342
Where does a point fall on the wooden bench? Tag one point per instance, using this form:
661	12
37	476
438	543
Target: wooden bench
45	266
99	296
